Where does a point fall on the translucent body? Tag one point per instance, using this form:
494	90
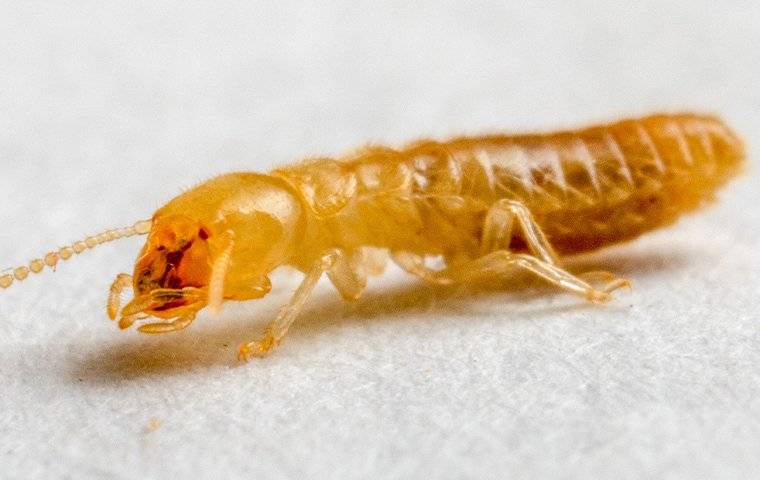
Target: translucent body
586	189
488	204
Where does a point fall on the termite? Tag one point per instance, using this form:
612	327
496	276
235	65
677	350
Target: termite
488	205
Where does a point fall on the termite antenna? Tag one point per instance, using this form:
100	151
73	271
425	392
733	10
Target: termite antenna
64	253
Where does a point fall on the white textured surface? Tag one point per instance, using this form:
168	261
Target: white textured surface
108	110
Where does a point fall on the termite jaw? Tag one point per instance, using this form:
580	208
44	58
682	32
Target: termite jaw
137	305
126	322
163	303
162	300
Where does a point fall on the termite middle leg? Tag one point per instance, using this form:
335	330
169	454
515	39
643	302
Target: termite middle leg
346	275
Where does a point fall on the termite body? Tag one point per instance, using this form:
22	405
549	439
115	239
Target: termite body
487	205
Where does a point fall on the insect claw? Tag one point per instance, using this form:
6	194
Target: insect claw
617	284
243	353
596	296
246	351
610	282
259	348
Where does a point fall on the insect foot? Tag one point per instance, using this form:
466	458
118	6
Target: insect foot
609	283
258	348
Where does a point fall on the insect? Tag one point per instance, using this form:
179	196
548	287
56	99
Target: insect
488	205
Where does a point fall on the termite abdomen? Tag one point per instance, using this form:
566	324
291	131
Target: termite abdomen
648	173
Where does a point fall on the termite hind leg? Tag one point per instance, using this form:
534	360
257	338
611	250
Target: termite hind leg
608	281
497	233
121	282
277	329
501	261
498	227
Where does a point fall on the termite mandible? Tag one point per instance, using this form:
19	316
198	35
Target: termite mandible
488	205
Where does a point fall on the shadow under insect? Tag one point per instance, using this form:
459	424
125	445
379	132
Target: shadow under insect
211	343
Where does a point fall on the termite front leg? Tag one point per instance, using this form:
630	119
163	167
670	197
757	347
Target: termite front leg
277	329
501	261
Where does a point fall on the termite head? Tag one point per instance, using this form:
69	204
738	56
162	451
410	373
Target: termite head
214	243
170	276
175	256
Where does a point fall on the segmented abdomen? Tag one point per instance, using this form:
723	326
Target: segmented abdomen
586	188
596	186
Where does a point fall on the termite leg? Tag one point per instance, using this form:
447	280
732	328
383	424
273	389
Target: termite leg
498	226
610	281
121	282
374	260
497	235
501	261
277	329
415	264
346	275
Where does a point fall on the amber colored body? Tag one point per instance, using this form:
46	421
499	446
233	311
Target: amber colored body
586	188
488	204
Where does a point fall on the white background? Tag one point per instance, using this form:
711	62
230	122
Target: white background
108	109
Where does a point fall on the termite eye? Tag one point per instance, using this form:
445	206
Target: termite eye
203	233
161	248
